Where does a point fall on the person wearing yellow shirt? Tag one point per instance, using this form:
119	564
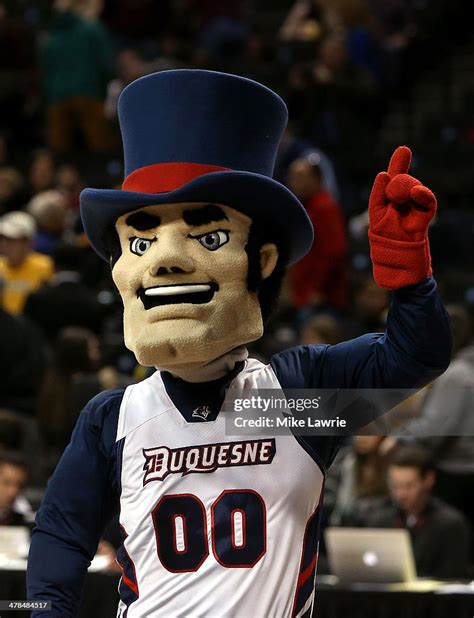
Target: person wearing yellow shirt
22	270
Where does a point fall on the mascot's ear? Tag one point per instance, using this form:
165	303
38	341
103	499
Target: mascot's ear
268	259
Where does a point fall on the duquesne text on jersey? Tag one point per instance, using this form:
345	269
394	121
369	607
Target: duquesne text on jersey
160	461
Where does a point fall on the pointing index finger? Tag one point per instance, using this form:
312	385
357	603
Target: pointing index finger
400	161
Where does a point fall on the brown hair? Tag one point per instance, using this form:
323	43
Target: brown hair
71	355
13	458
414	457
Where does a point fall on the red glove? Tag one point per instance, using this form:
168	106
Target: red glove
400	211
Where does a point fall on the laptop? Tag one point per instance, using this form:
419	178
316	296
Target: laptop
375	555
14	541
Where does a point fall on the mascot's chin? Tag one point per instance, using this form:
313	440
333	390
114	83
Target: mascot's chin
195	346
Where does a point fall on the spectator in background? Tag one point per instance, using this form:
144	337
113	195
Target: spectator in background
19	432
130	66
70	182
170	56
320	278
360	26
445	423
89	9
11	431
42	172
454	449
65	300
76	63
12	190
17	69
342	108
439	532
370	308
293	147
356	477
22	361
21	269
70	382
307	22
225	40
321	329
49	211
13	478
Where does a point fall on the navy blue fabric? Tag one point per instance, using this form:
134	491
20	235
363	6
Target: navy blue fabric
205	117
84	491
188	396
307	572
414	350
128	586
81	497
193	513
197	116
254	547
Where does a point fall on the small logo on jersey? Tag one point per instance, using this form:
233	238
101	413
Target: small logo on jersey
162	461
201	412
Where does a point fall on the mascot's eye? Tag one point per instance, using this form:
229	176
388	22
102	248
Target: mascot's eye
139	246
213	240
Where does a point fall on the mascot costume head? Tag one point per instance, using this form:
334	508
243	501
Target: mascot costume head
200	234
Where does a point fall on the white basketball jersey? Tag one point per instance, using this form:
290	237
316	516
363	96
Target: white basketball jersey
217	526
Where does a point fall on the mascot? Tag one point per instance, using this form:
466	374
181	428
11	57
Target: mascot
198	240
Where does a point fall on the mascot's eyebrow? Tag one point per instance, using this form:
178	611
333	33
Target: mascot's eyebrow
204	215
143	221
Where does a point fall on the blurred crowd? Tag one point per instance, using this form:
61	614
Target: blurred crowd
359	77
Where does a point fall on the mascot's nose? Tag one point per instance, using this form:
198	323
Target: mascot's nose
169	256
162	270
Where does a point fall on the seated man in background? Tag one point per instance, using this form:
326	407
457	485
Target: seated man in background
439	532
13	478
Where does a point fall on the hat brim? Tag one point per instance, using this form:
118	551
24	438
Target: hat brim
255	195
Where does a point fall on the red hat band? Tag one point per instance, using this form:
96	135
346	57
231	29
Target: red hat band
164	177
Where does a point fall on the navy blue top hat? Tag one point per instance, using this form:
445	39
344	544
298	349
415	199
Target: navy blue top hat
200	136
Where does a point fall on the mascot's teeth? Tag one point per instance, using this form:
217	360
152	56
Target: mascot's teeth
168	290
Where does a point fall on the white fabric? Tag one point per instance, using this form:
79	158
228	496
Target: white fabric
290	487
